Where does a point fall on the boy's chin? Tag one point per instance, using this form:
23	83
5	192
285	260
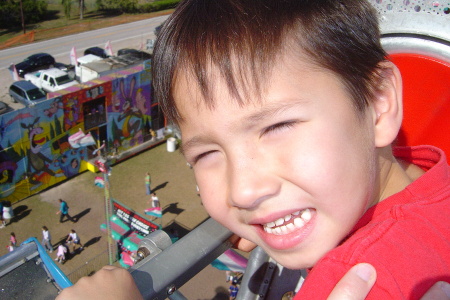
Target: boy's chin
294	262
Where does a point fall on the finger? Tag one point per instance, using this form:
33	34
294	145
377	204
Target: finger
439	291
356	284
242	244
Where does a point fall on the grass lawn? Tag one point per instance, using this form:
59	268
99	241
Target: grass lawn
57	25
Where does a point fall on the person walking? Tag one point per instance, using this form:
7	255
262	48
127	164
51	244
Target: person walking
64	211
155	201
3	222
75	240
148	181
46	239
12	239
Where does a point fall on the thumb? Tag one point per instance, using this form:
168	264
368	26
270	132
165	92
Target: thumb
356	283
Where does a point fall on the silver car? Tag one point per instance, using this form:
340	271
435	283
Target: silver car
26	93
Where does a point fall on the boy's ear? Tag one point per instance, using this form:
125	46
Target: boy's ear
387	105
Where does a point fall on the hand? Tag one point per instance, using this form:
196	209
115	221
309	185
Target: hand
439	291
357	283
110	283
242	244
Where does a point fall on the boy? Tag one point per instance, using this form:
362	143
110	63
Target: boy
287	111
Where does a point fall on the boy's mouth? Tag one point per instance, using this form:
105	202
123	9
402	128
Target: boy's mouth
289	223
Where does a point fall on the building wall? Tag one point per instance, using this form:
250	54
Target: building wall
34	149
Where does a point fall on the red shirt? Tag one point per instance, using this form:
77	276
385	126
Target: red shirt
406	237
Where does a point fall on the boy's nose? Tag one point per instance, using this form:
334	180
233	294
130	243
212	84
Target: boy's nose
251	182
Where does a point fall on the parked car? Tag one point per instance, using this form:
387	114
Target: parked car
51	80
26	93
4	108
34	63
70	69
100	52
138	54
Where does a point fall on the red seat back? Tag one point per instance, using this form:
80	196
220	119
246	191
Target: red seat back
426	97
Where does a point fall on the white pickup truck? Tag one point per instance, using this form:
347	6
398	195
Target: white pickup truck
50	80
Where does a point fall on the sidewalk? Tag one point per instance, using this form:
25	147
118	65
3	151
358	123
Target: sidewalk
173	182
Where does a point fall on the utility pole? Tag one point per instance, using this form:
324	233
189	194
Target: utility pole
103	165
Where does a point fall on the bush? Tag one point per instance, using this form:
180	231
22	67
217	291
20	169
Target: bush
158	5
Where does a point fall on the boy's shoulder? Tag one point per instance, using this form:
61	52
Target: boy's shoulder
405	237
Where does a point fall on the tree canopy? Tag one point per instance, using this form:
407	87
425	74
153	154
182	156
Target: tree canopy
33	12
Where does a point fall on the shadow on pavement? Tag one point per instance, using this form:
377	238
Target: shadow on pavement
221	294
20	212
161	186
92	241
78	216
172	208
61	241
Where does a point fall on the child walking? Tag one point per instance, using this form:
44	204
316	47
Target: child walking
13	239
46	239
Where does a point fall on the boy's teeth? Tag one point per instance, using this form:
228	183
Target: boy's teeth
298	222
271	224
306	215
300	218
279	222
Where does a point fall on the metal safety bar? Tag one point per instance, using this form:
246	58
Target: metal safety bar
165	268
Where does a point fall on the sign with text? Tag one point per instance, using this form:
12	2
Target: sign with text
133	219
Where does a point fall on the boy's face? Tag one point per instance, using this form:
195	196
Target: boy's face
293	172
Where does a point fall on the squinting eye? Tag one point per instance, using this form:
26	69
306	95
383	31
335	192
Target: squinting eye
202	155
279	127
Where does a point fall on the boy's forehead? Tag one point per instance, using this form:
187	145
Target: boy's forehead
187	92
246	86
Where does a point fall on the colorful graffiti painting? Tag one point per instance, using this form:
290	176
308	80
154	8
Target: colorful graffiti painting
35	152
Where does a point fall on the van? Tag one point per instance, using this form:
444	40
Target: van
26	93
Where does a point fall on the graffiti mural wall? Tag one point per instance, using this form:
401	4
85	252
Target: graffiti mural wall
34	149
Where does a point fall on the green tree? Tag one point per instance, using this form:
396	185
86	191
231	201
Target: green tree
33	11
67	4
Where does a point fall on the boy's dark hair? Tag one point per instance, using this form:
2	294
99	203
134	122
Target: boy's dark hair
242	39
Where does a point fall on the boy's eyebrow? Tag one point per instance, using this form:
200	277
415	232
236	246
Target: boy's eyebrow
273	109
196	140
250	121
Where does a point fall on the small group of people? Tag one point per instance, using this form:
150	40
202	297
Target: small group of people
72	237
63	248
